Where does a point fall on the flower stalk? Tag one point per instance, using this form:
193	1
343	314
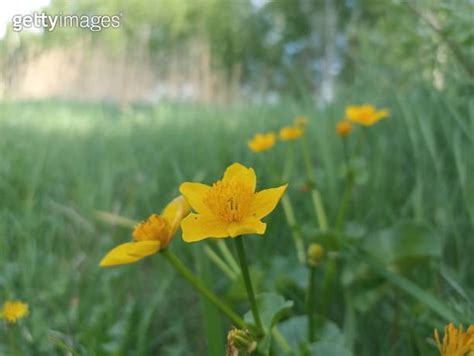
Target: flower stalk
281	341
220	263
239	245
222	246
329	276
311	305
295	233
315	255
12	341
320	212
345	200
201	288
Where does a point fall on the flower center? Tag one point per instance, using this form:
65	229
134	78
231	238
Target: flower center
155	228
229	200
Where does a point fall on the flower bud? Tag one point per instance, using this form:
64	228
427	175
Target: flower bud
240	341
315	254
343	128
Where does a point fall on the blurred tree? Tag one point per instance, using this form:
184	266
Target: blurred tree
293	47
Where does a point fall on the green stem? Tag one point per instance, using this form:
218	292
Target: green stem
239	244
220	263
346	198
319	209
329	276
290	215
288	167
311	303
281	341
201	287
321	216
295	232
221	244
349	319
212	321
12	339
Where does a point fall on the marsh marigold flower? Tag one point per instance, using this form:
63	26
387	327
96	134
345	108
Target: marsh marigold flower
150	236
262	142
365	115
456	342
228	208
343	128
12	311
291	133
300	121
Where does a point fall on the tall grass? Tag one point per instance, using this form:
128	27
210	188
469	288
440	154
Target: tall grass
62	162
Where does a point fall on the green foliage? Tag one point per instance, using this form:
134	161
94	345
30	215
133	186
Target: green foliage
62	162
272	308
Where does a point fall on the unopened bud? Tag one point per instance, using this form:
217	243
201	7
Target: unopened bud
315	254
240	341
343	128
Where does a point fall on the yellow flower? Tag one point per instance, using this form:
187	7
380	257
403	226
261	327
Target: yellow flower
291	133
300	121
365	115
13	311
343	128
262	142
455	341
230	207
150	236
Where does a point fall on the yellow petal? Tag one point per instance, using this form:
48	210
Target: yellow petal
130	252
265	201
174	212
197	227
356	113
242	174
247	226
352	112
195	194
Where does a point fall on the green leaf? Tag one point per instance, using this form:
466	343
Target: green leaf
272	308
295	330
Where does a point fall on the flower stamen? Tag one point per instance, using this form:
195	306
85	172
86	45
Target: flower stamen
229	200
155	228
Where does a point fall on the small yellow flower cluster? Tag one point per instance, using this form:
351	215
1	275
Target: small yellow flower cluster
456	342
264	141
229	208
365	115
14	310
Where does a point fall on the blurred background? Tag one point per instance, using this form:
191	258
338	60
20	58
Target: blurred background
221	51
114	120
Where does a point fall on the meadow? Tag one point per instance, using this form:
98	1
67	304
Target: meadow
399	266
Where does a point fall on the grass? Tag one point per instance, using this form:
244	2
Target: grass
62	162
